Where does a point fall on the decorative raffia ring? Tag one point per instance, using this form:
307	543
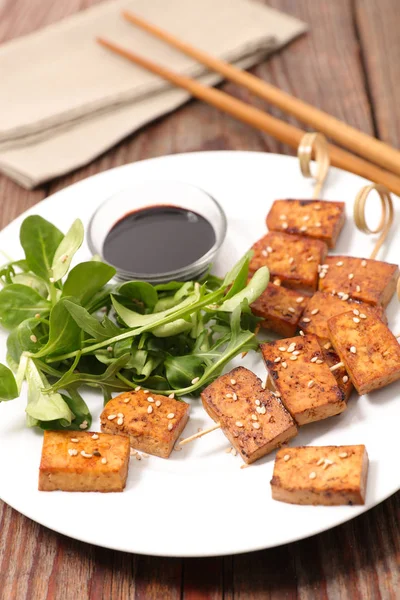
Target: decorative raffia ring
314	143
386	216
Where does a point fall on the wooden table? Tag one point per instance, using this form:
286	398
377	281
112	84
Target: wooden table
348	65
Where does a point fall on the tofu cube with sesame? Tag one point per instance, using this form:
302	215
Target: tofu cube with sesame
280	309
83	461
326	475
367	280
253	419
342	379
317	219
293	260
152	422
323	305
367	348
300	374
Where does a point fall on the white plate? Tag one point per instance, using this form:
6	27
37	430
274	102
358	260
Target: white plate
199	502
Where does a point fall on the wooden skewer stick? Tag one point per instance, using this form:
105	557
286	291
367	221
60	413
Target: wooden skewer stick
199	434
337	366
257	118
361	143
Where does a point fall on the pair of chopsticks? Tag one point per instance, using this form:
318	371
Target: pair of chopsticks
372	149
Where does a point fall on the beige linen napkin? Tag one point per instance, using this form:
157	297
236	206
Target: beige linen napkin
64	100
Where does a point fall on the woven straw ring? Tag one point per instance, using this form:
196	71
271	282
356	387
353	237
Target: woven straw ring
314	142
386	215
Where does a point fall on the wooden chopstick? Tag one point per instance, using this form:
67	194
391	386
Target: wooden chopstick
255	117
349	137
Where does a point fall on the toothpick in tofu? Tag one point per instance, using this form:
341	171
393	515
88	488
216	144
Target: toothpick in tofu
152	422
83	461
367	348
326	475
253	419
280	309
301	375
318	219
292	260
367	280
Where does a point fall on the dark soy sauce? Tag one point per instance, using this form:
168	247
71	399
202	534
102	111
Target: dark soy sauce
158	239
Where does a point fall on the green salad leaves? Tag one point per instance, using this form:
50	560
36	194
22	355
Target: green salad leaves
71	328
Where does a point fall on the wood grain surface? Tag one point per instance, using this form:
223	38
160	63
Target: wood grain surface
349	66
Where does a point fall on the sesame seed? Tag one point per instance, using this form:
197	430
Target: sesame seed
120	421
284	365
263	410
322	274
296	352
284	225
37	316
234	397
170	415
314	359
325	266
33	338
111	417
306	218
133	452
277	359
363	316
228	395
291	309
254	417
126	400
315	311
310	383
292	357
150	399
351	275
233	381
306	320
339	263
109	349
345	296
327	345
138	388
83	425
356	319
301	333
363	263
228	450
345	379
317	207
72	452
233	452
85	454
256	425
291	347
277	394
358	289
310	258
282	348
269	249
312	475
318	224
353	349
95	436
239	424
291	260
277	282
138	457
120	415
328	463
320	462
343	454
356	312
303	228
319	361
150	409
74	440
170	426
299	299
195	380
286	457
283	217
145	391
103	461
158	403
257	403
264	253
263	385
51	279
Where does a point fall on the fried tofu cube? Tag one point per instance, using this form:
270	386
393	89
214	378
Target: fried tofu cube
322	306
253	419
291	259
317	219
152	422
341	376
368	350
300	374
83	461
367	280
280	309
326	475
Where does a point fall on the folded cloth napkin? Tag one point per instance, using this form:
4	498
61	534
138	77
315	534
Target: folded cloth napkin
64	99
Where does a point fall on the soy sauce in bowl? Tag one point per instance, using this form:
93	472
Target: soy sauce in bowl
158	231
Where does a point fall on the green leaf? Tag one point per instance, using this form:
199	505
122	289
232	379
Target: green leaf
134	319
181	370
139	291
234	272
108	378
20	339
64	333
42	406
68	247
240	279
173	328
86	279
33	281
40	240
80	410
90	324
8	385
251	292
19	302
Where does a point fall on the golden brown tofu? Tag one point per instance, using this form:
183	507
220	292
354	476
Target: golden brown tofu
299	372
341	376
327	475
253	419
370	281
83	461
280	308
291	259
367	348
152	422
322	306
317	219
